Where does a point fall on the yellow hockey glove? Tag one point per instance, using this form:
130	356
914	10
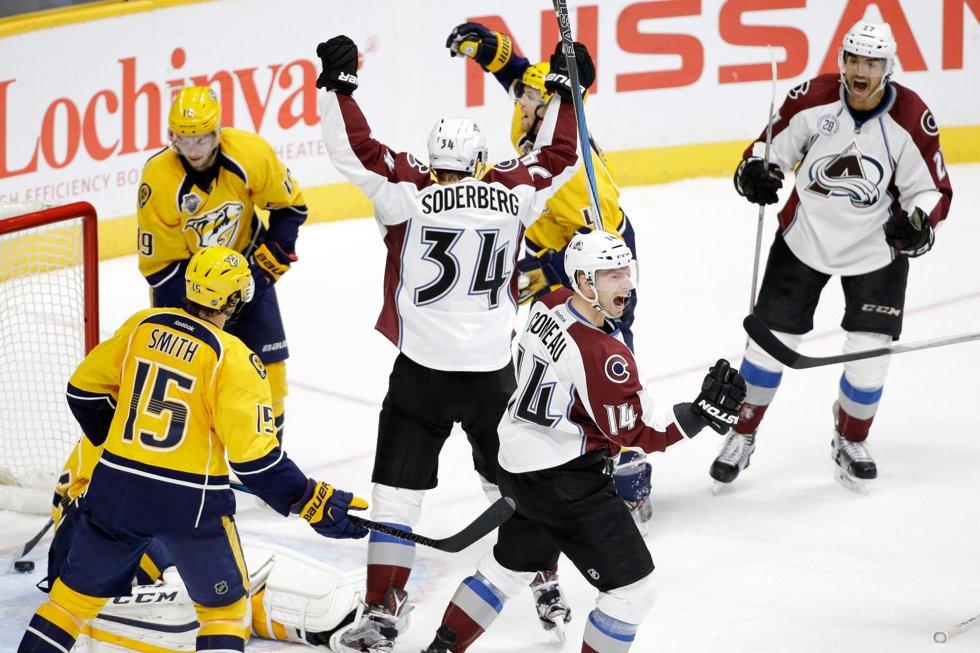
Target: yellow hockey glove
271	259
489	48
325	508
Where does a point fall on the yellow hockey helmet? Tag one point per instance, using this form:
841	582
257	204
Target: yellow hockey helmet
195	111
533	77
215	274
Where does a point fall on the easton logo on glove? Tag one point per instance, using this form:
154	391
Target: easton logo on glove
727	418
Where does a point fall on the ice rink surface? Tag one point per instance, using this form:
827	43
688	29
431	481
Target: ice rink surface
784	560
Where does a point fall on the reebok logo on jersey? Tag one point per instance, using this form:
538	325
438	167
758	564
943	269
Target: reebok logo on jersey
346	77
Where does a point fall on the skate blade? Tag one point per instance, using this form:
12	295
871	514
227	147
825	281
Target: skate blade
856	485
558	632
717	487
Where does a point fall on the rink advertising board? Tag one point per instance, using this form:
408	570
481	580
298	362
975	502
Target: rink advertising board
681	86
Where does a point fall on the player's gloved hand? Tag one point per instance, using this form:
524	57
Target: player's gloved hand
721	396
910	233
755	183
66	498
558	81
326	510
338	58
537	277
492	50
270	260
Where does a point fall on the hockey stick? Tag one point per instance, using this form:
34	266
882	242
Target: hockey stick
941	636
760	333
565	29
29	546
765	161
491	518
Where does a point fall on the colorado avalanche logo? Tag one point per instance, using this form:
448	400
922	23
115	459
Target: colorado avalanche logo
928	123
617	369
217	227
848	174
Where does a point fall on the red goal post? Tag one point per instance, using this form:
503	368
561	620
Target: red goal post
49	320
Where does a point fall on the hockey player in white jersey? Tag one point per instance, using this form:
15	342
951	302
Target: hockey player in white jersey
452	229
580	398
871	188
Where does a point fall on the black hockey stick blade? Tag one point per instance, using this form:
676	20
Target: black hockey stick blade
773	346
491	518
760	333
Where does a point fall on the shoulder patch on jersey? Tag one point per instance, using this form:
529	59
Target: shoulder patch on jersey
617	369
928	123
799	91
144	194
257	364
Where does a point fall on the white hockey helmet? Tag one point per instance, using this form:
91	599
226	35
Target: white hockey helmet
457	144
594	251
872	40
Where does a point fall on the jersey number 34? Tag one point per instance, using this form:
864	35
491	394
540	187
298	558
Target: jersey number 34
489	274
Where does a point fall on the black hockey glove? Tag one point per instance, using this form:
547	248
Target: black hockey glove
492	50
755	184
338	57
911	234
721	396
557	79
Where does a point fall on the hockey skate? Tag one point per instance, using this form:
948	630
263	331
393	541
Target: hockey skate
378	625
854	466
549	600
732	458
444	642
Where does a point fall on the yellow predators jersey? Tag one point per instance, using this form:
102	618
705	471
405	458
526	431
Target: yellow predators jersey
184	395
177	217
569	209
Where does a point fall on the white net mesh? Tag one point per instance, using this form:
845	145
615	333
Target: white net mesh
42	340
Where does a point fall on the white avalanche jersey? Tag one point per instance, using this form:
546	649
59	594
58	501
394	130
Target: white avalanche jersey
450	282
579	390
852	175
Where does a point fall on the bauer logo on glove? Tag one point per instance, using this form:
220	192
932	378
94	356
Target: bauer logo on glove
325	508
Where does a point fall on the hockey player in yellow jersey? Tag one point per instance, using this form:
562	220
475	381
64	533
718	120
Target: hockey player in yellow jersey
173	401
204	190
566	213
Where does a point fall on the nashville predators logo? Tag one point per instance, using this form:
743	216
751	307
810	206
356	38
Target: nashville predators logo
848	174
217	227
257	364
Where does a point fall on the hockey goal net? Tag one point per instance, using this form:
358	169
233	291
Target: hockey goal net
49	320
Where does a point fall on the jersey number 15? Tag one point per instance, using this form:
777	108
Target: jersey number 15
151	402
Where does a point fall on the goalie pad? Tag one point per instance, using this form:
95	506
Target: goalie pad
294	598
305	596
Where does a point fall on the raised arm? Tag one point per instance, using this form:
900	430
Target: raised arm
388	178
491	50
